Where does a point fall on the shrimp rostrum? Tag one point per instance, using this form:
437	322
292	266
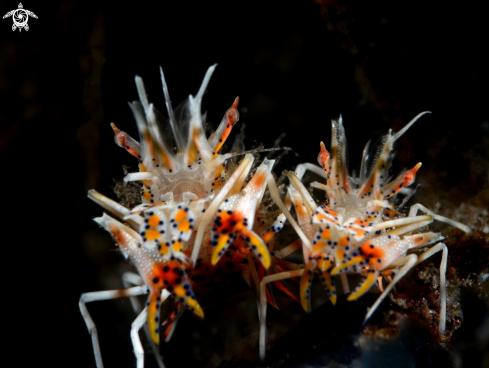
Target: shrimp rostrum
360	229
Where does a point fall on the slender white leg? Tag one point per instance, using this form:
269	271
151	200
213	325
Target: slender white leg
131	278
404	221
136	342
443	282
443	270
401	230
103	295
263	302
409	260
443	289
300	170
414	210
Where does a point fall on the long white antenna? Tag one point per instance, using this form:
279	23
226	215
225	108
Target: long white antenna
403	130
171	115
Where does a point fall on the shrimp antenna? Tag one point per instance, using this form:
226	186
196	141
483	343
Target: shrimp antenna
171	115
257	150
403	130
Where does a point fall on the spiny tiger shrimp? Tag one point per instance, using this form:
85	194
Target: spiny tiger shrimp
194	208
357	229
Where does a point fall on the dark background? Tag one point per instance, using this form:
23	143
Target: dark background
294	65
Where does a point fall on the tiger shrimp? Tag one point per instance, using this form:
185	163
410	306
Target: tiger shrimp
193	205
358	229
